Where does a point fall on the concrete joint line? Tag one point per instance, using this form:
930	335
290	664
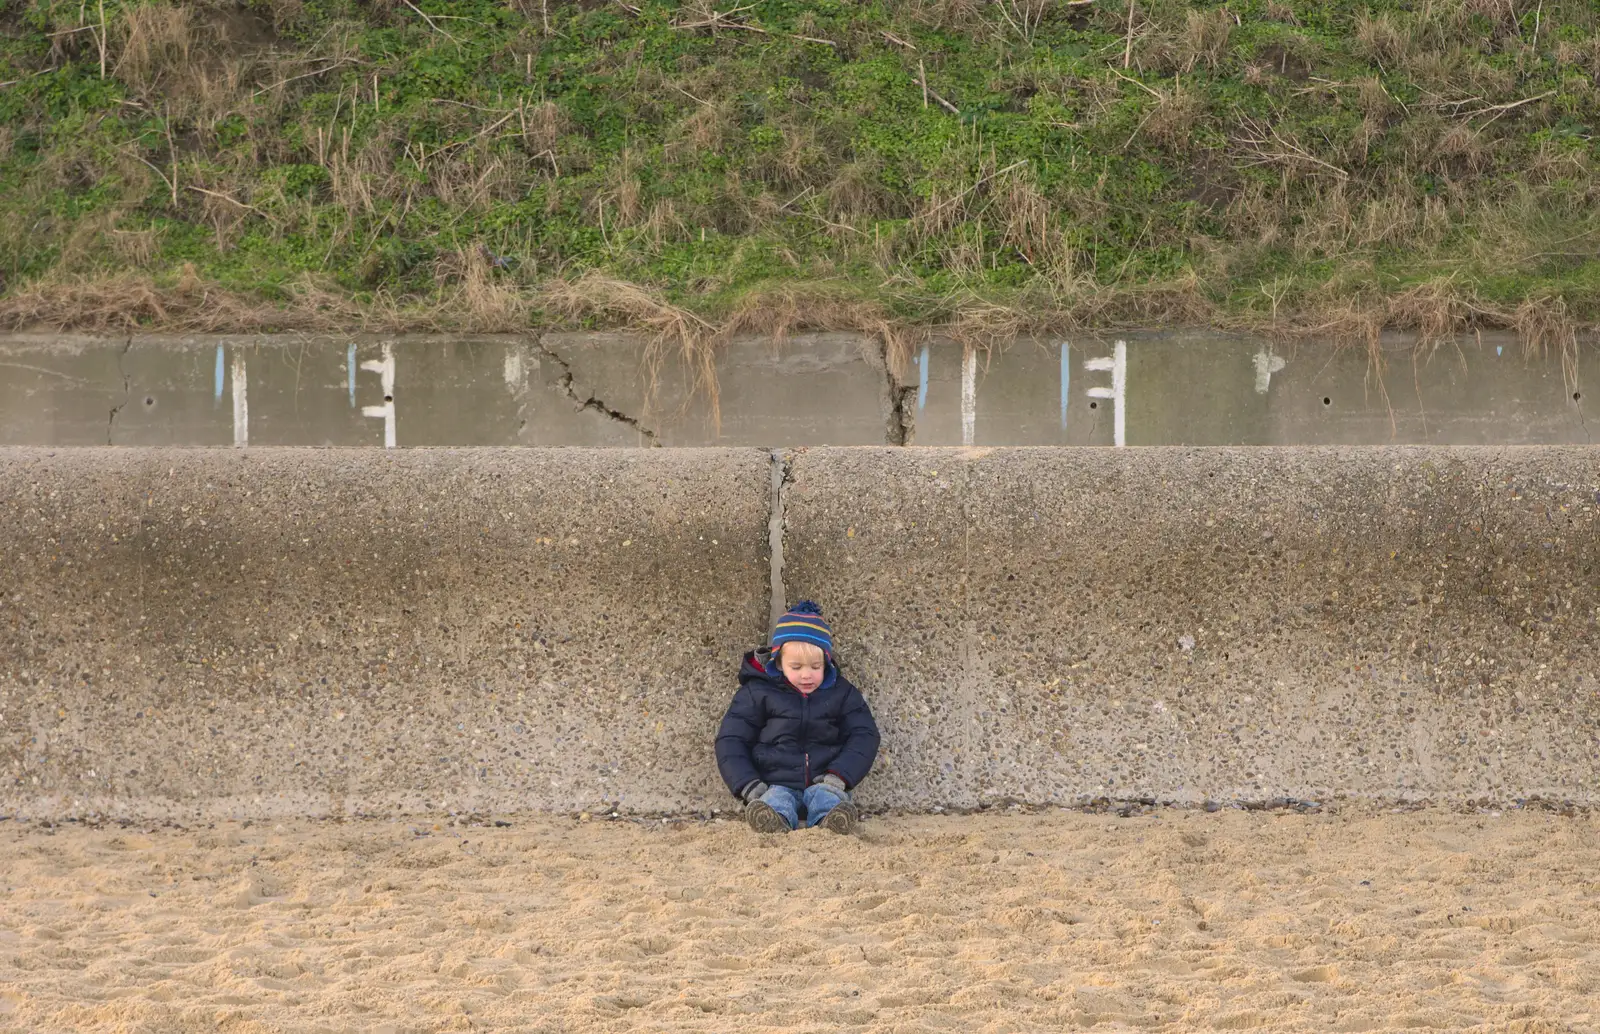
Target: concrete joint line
782	472
566	387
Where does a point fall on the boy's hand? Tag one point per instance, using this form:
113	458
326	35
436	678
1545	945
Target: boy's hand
754	791
832	782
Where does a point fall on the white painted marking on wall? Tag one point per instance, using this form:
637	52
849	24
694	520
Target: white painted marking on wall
1119	385
1066	380
1117	364
513	370
1267	364
241	404
384	368
969	398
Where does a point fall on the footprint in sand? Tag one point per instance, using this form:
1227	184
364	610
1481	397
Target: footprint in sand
1317	975
252	889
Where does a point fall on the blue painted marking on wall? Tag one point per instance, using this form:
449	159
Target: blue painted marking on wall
1066	380
922	383
350	370
216	387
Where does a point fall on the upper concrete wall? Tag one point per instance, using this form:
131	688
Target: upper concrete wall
597	389
1183	624
188	633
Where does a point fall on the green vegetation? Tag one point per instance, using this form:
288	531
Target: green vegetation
1310	165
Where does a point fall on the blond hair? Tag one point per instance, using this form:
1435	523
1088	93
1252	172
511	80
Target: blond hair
806	653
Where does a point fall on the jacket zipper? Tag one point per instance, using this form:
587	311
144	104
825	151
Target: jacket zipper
805	718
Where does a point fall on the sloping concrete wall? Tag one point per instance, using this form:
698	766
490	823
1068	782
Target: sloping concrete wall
1190	624
188	633
191	633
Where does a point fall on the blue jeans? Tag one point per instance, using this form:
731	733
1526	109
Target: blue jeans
816	802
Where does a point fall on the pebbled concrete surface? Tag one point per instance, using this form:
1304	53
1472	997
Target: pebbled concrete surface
190	633
1193	624
267	632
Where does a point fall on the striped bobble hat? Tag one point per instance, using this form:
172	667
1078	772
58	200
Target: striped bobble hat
803	624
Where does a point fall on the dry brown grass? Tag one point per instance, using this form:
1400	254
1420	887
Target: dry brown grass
189	61
1382	37
703	130
542	127
856	192
131	301
1030	227
155	44
1546	325
1584	54
480	303
477	296
624	192
136	247
1172	119
1205	39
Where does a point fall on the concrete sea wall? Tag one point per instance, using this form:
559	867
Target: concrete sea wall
196	632
1192	624
190	633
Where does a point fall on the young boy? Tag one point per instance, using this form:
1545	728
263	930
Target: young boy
798	736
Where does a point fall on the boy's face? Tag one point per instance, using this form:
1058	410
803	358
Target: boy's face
803	668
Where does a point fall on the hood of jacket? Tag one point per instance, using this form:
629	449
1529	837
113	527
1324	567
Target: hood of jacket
762	665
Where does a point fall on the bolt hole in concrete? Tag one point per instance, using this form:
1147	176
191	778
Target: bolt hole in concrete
1577	396
1326	401
388	398
1094	405
150	401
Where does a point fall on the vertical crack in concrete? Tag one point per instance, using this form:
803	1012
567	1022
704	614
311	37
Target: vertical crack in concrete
566	387
779	593
902	427
900	423
127	385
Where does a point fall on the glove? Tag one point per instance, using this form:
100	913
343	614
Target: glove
753	791
832	782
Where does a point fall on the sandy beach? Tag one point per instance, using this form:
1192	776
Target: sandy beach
1360	920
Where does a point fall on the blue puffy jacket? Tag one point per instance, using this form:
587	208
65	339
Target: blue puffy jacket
777	735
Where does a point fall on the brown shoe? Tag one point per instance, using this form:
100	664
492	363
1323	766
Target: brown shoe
842	819
764	819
